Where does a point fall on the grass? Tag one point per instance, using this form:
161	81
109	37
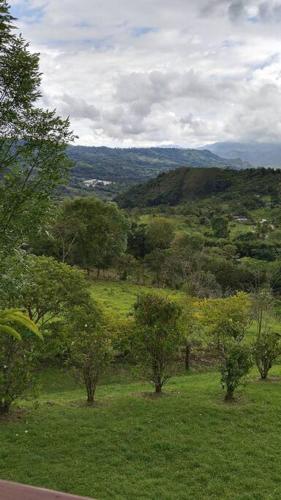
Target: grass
187	445
120	297
183	224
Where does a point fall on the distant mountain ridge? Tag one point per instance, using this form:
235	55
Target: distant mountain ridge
258	154
188	184
130	166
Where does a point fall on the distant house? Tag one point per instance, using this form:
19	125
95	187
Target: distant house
97	182
240	218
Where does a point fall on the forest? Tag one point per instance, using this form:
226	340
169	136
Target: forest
140	338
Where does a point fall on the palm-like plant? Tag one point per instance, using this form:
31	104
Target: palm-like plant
12	321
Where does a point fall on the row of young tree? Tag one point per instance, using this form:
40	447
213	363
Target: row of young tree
61	323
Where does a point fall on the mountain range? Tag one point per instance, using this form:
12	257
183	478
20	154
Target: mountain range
122	168
258	154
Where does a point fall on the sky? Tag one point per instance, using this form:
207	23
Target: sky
159	72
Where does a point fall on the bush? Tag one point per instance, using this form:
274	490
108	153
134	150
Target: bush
157	336
236	363
266	351
89	345
17	356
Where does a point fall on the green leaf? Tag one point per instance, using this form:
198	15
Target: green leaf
10	331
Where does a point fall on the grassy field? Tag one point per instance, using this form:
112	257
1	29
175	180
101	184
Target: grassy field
187	444
121	296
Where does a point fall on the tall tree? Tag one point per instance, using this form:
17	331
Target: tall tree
32	140
96	230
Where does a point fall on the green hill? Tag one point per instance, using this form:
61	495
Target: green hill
185	184
126	167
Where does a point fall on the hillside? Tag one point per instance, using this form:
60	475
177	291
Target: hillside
121	168
258	154
185	184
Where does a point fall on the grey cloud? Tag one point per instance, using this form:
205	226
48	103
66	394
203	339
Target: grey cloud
208	71
78	108
269	13
240	10
236	10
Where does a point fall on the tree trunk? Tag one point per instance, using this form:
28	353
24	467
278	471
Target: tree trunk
229	395
158	388
187	358
4	408
91	389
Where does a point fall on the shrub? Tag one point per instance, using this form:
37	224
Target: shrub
266	350
89	345
236	363
157	336
17	356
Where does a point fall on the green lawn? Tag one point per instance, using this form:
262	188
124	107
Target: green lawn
181	223
185	445
120	297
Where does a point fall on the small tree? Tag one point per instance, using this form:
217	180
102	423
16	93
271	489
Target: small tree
157	336
159	234
192	334
220	227
227	321
89	345
266	350
267	346
237	361
17	356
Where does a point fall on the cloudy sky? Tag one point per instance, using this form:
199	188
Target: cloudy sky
159	72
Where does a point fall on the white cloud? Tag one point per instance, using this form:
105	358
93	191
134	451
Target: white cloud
147	72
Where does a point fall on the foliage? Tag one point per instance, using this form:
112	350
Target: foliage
192	334
266	350
237	361
89	344
188	184
159	234
32	140
98	231
44	287
227	320
126	266
16	356
137	245
157	336
11	320
267	346
220	227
